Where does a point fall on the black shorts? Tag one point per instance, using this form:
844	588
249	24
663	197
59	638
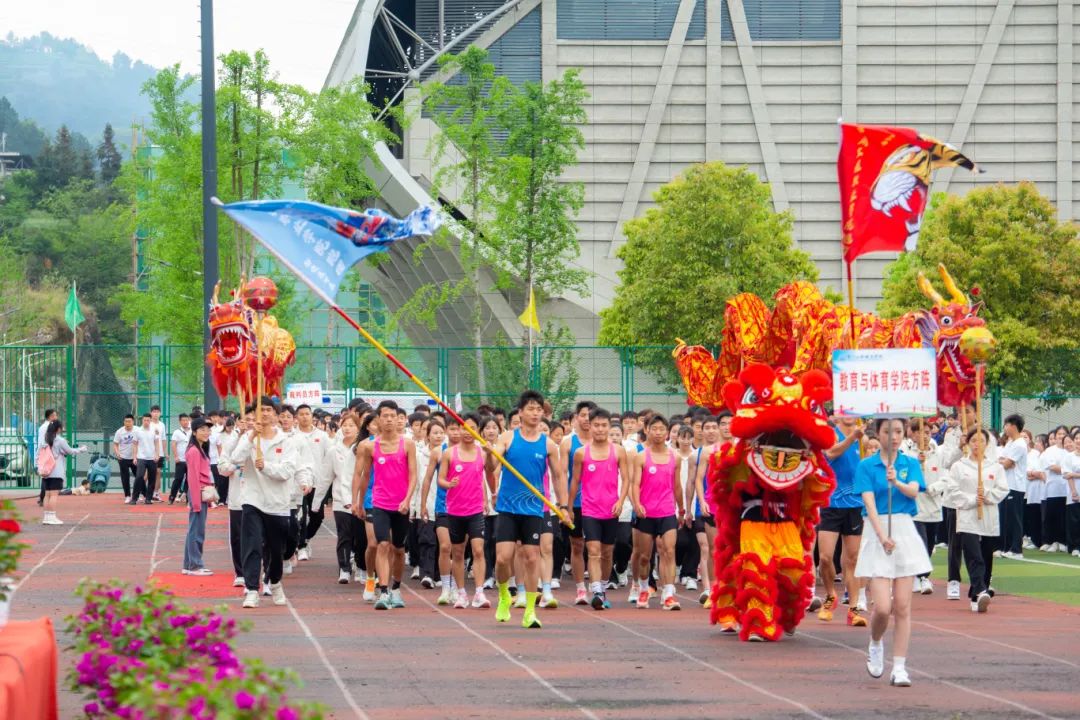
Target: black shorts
442	520
846	521
548	527
597	529
511	527
656	526
390	526
701	522
577	531
462	525
52	484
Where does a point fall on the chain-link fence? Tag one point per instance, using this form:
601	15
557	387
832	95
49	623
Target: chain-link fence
112	381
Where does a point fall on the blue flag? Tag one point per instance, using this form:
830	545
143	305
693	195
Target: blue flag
318	242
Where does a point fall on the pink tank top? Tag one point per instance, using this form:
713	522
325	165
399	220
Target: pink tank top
467	498
657	494
392	471
599	484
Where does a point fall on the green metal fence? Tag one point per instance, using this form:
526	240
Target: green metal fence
95	386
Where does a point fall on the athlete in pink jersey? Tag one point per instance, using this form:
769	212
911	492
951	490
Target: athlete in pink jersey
463	478
657	496
392	457
597	467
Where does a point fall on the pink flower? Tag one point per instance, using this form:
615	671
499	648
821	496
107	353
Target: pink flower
244	700
287	713
91	708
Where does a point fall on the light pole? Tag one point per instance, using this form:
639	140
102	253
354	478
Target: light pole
209	175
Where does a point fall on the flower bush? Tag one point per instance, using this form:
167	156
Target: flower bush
144	656
10	549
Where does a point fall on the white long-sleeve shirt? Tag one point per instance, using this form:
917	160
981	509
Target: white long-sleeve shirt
962	493
928	502
268	489
340	462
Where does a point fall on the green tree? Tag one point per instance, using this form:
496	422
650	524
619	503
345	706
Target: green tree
1008	242
108	156
713	234
21	135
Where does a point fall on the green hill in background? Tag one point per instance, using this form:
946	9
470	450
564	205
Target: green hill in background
58	81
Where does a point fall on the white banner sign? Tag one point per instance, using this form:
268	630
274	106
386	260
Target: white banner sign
304	394
885	383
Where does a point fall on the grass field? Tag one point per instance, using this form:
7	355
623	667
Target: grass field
1032	576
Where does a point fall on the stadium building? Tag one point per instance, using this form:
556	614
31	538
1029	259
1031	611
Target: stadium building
759	83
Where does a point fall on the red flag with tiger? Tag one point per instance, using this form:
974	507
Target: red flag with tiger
884	177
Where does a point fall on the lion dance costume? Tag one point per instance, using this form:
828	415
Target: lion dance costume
242	336
765	490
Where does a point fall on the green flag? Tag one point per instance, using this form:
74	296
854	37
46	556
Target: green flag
73	313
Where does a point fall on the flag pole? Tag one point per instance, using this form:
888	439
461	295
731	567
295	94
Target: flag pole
75	336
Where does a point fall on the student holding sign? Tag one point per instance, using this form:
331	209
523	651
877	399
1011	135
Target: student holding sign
891	553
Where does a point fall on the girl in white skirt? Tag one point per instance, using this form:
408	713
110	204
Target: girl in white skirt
891	554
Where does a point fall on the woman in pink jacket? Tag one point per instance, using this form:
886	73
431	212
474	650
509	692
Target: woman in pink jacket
199	477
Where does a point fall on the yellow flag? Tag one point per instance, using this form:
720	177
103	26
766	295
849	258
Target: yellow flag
529	318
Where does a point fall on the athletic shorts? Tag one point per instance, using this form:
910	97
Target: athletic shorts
701	522
602	530
548	527
390	526
656	526
846	521
442	520
53	484
462	525
512	527
577	531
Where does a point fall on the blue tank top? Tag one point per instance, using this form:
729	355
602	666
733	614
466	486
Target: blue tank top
845	466
575	444
371	486
530	459
704	482
440	491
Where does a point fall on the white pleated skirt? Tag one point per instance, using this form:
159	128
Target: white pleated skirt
907	559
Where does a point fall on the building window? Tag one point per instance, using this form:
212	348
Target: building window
625	19
787	20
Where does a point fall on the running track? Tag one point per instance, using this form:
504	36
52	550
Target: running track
1021	660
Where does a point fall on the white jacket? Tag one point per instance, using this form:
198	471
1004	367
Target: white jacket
305	471
339	465
267	489
929	501
318	447
962	492
423	459
228	468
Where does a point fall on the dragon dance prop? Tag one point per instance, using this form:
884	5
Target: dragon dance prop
803	329
249	351
765	491
319	243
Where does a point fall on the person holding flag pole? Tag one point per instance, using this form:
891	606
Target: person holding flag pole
319	243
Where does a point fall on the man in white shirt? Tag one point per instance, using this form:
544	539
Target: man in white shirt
1013	458
318	445
163	434
217	438
148	448
180	439
124	449
50	415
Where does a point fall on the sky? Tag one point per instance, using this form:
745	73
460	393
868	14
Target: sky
300	38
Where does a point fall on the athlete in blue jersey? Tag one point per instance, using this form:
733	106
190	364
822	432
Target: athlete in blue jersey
521	512
842	519
577	439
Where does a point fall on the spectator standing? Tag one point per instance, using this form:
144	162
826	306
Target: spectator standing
50	416
147	452
55	479
162	433
124	449
1013	459
197	462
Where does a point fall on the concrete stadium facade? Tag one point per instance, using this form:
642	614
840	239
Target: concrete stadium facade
759	83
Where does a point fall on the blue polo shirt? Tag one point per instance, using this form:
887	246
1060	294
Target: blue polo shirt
870	476
844	467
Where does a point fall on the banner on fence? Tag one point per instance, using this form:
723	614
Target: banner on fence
308	393
405	400
885	382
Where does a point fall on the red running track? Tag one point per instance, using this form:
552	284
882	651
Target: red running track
1020	660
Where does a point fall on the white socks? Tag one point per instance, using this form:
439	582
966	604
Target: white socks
899	663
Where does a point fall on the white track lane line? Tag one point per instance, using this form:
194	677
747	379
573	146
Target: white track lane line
930	676
42	561
1071	566
153	551
729	675
1051	658
532	673
357	710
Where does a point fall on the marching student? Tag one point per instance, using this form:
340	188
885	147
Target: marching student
492	428
978	536
463	477
578	438
687	549
227	440
197	459
269	464
658	506
123	444
1013	458
704	519
423	506
393	458
302	483
442	529
928	501
624	535
842	521
892	554
337	476
179	442
318	443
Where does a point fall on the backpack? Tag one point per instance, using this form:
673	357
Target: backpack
45	461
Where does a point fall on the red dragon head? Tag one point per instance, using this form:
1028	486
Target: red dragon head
231	338
780	419
941	329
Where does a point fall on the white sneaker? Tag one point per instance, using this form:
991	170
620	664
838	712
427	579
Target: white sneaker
462	601
238	581
982	602
303	554
251	599
952	591
266	589
519	601
900	678
623	579
343	577
997	553
369	595
555	584
861	605
278	592
547	600
50	518
875	660
916	586
1075	553
489	584
927	586
684	580
415	573
427	583
202	572
1047	548
1028	545
691	584
1058	547
286	567
444	597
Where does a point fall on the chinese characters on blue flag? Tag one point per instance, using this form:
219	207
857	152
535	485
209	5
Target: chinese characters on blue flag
319	242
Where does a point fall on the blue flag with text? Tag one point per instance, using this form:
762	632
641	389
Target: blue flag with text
320	243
